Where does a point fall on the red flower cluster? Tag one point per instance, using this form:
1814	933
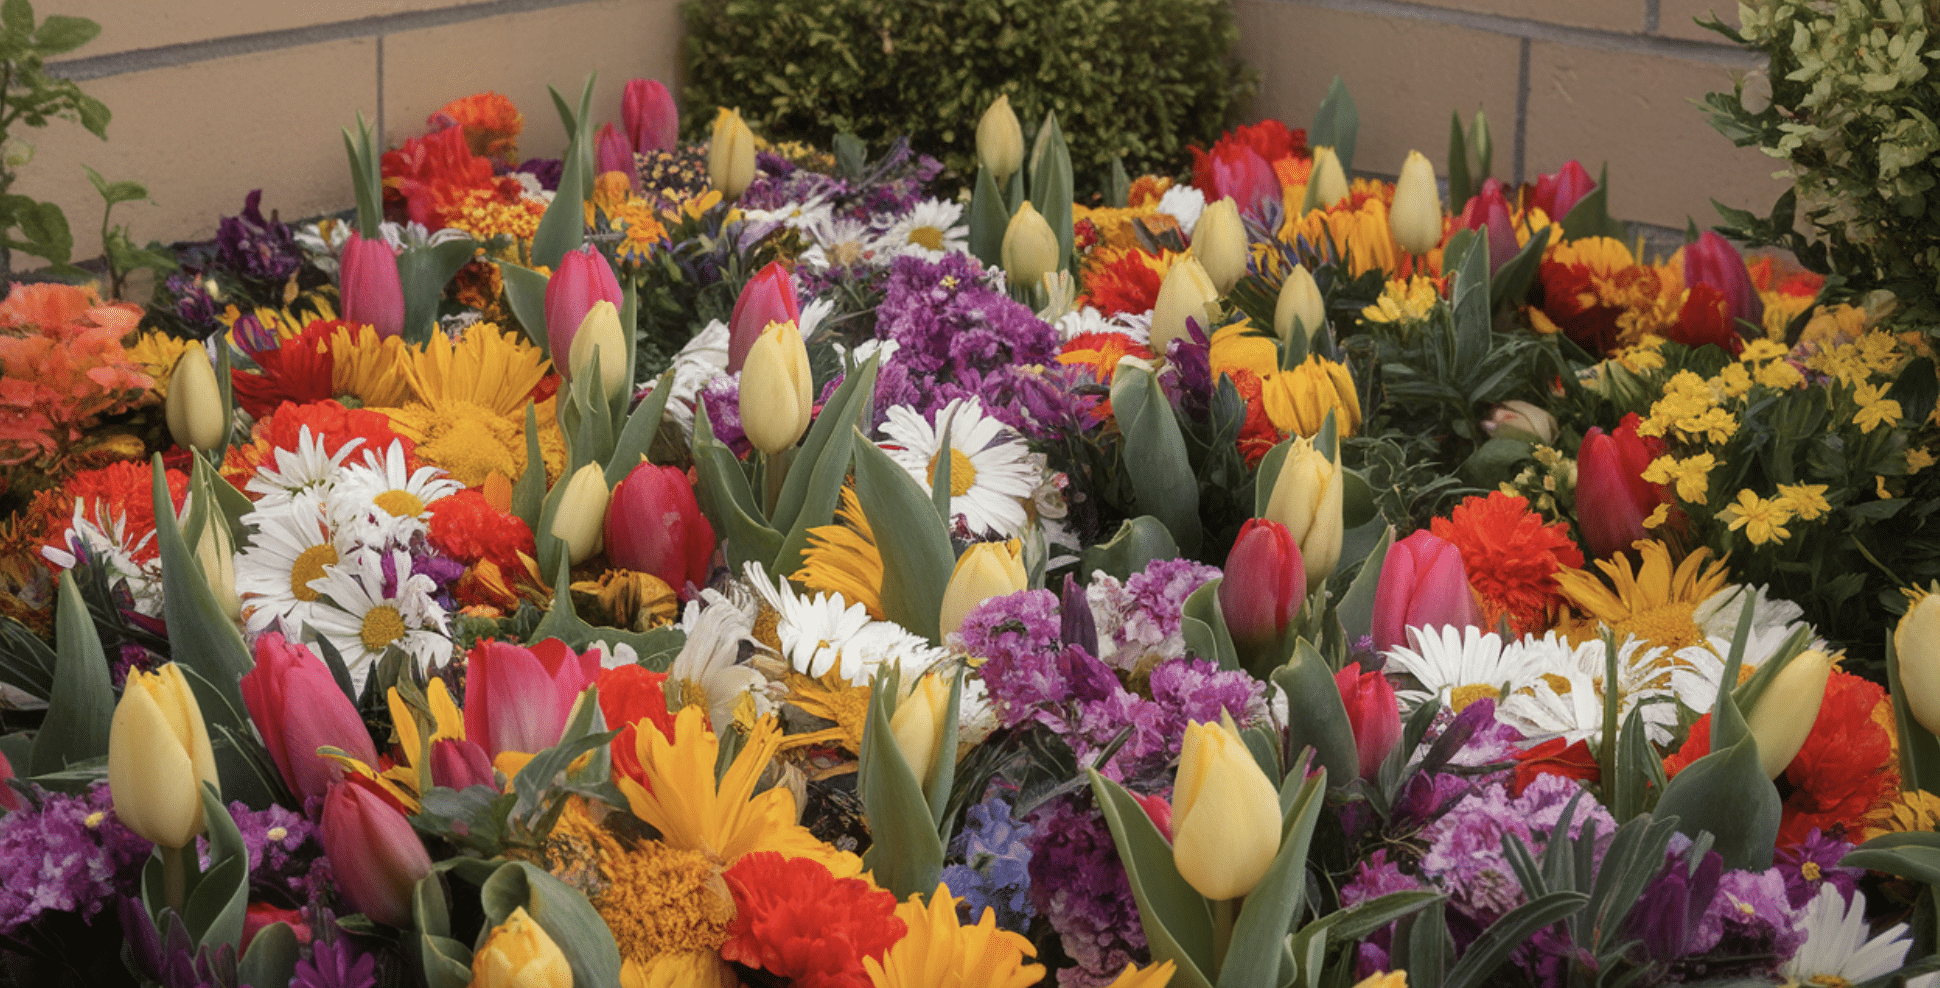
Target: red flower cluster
427	179
629	695
300	370
124	488
1233	167
467	528
1512	558
794	919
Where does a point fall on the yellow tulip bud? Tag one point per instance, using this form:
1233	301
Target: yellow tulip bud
194	407
1030	249
918	724
217	554
581	517
730	154
1298	400
1187	292
1299	301
1916	642
519	954
1000	140
1415	218
1219	242
985	570
1785	712
1225	813
1521	420
1329	181
600	333
159	756
1308	500
777	389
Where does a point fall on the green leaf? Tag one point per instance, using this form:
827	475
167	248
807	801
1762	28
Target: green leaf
563	227
424	272
905	853
1727	794
1280	896
1163	483
214	904
60	34
1511	284
1051	180
1356	608
1177	921
1484	147
271	958
1336	125
561	911
636	438
1913	855
200	636
1492	949
1204	626
83	701
729	502
1474	321
94	114
851	155
115	193
366	178
814	484
1138	542
1120	187
45	227
1459	187
989	219
917	559
18	17
1590	217
529	494
1316	716
525	294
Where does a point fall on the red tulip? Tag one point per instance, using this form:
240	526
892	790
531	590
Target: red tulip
298	708
1265	584
372	293
652	120
611	153
1612	497
1557	194
1489	209
1159	810
628	696
1242	173
460	764
1373	712
1423	584
375	856
583	278
654	525
1714	262
10	800
518	699
262	914
768	297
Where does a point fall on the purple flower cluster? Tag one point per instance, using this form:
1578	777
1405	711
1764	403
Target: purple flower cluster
70	855
1079	884
1814	863
995	873
283	852
1139	619
255	249
1465	854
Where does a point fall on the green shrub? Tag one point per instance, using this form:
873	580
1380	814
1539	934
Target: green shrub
1138	78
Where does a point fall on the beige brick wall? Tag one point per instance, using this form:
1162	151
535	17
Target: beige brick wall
1596	80
212	98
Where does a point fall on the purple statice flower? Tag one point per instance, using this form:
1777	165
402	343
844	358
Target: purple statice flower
949	319
1373	878
1666	916
546	170
282	849
1147	749
71	854
1813	863
721	399
1750	917
1139	620
259	250
995	873
1465	855
1079	885
1198	690
334	961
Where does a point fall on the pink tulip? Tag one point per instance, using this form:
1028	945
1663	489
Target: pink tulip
611	154
375	856
1374	714
261	915
652	120
768	297
1423	584
1489	209
1242	173
457	764
1557	194
10	800
518	699
584	277
372	292
654	525
1612	497
1158	809
1265	584
1713	261
298	708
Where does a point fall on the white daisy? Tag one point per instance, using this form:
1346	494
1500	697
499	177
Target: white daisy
840	243
1772	621
381	503
291	547
1183	203
101	534
307	469
992	474
932	229
1836	950
709	663
813	632
1078	322
1566	699
362	620
806	215
1459	665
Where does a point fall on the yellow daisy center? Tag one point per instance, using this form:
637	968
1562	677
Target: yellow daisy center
1809	871
1461	696
963	473
309	566
399	503
927	237
382	626
1671	625
767	629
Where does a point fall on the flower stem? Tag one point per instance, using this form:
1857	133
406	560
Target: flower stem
776	475
174	878
1225	911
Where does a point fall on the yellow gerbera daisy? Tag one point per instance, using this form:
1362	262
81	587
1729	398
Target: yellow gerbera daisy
1655	602
368	368
843	558
157	354
467	412
939	952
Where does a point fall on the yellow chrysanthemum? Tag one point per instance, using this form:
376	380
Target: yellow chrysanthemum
1403	301
843	558
1298	400
1763	519
157	354
1655	603
1733	382
1692	475
939	952
484	215
1807	501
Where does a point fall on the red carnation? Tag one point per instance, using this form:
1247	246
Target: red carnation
794	919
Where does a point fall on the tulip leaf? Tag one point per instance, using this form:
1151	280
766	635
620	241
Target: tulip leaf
1336	125
1511	283
1919	749
1474	323
1119	187
809	496
271	958
1051	183
82	703
529	494
200	636
1459	185
1913	855
917	559
537	784
365	179
1422	946
561	911
1270	908
1163	483
1316	715
1727	794
1267	474
1176	918
1590	217
424	272
940	478
563	227
525	294
447	963
1137	544
943	762
1356	607
1484	147
214	900
630	338
989	219
1204	626
905	852
26	662
729	502
636	437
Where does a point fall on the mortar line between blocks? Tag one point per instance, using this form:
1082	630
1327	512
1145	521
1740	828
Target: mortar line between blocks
1535	30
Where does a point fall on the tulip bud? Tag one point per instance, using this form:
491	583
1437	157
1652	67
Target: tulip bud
1300	303
1265	584
1489	209
1786	711
1225	813
581	515
918	725
194	408
1557	194
600	332
1241	174
1329	181
1521	420
1372	712
730	155
583	278
10	800
1219	242
1000	140
1030	249
519	698
768	297
1187	292
776	389
612	153
375	856
1299	399
1916	645
651	118
159	757
1712	261
654	525
298	708
519	954
1612	497
217	555
1415	218
1423	585
1308	498
371	291
985	570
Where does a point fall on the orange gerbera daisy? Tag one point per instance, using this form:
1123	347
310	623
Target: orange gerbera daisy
1118	281
1512	558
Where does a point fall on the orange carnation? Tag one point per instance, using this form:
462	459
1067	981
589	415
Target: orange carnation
1512	558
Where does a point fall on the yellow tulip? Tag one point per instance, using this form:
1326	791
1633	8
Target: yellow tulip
1187	292
985	570
194	406
1784	714
1917	643
1328	180
1521	420
1308	499
1415	218
159	756
730	155
581	517
1298	400
918	724
519	954
217	554
1299	300
1225	813
1030	249
1384	979
1219	242
1000	140
600	333
777	389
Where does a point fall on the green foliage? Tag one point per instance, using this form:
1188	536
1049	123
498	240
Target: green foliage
30	96
117	245
1137	80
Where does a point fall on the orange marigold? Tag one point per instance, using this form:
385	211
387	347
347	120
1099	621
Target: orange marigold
1512	558
795	919
121	491
492	124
